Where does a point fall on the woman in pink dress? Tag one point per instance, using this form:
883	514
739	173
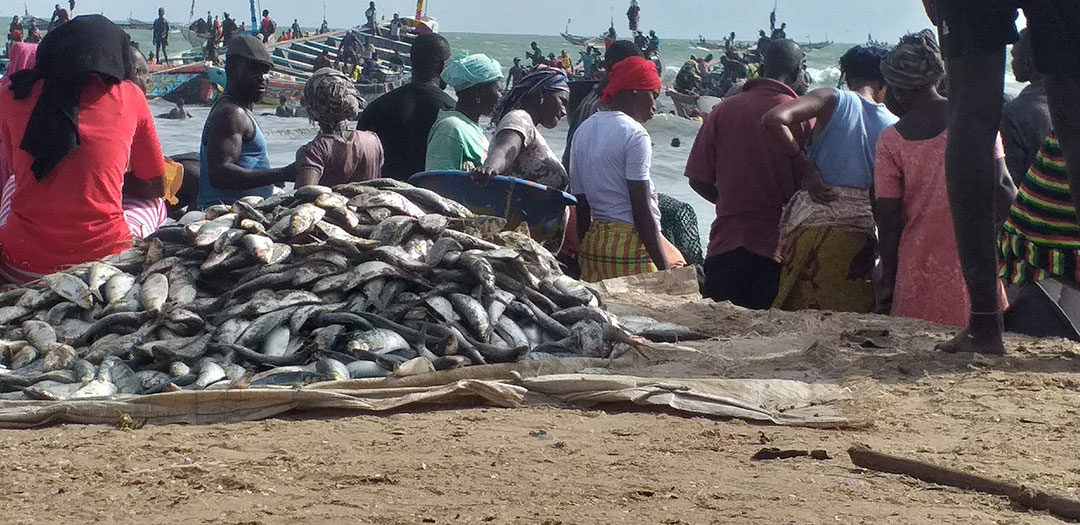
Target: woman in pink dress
923	278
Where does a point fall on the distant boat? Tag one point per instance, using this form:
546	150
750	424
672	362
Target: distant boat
814	46
583	41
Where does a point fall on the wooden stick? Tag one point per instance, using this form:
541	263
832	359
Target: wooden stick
1028	497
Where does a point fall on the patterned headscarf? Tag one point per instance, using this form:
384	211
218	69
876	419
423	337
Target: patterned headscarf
915	63
331	97
536	80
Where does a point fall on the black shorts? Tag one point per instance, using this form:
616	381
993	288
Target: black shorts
975	26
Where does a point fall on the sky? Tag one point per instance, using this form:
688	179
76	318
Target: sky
846	21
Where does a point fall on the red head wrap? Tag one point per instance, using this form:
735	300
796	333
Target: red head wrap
634	73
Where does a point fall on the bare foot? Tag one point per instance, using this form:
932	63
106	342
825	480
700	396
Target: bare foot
982	336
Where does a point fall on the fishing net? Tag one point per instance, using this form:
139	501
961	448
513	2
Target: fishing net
679	224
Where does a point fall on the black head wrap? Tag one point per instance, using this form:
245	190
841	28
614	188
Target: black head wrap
863	63
87	45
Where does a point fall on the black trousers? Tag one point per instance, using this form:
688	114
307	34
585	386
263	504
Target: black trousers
744	278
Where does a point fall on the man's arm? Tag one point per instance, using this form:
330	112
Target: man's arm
225	132
706	191
584	216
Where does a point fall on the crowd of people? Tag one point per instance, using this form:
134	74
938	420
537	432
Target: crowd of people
861	199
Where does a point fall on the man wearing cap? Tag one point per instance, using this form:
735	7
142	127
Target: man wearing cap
233	158
403	117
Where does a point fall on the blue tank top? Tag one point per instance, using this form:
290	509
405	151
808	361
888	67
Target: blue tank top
844	153
253	156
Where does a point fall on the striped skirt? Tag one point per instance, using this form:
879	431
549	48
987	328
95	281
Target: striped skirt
612	249
1041	238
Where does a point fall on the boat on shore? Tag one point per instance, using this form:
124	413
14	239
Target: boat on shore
199	82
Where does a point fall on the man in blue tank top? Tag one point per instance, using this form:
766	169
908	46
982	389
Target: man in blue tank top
232	156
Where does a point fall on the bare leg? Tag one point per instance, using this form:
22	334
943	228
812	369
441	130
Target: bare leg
976	83
1063	95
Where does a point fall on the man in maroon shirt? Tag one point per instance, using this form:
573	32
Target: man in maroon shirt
739	167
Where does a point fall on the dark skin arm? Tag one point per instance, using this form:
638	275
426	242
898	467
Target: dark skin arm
646	225
1004	196
584	216
503	152
818	104
307	177
226	130
889	214
705	190
144	189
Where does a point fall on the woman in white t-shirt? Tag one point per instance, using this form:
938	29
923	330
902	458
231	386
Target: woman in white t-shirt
618	217
518	149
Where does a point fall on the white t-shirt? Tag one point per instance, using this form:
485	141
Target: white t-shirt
610	149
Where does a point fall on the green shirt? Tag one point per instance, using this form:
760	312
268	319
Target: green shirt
455	143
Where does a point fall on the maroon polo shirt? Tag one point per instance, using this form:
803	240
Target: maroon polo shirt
753	175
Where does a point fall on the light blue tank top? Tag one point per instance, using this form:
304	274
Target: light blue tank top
253	156
844	154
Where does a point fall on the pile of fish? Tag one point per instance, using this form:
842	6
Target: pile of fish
359	281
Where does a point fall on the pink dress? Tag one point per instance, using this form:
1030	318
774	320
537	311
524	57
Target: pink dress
929	279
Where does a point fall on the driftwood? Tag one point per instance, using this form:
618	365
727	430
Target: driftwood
1025	496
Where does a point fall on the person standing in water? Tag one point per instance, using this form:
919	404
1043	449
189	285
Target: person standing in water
233	157
515	74
161	37
537	56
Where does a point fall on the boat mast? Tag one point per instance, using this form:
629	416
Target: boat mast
419	10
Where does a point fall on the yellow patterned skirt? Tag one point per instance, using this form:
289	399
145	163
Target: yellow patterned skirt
614	249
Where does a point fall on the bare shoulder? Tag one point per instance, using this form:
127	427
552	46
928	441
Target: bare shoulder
228	117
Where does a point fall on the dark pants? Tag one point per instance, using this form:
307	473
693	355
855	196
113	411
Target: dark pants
744	278
159	51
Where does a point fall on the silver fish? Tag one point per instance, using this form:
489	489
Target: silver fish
71	288
155	290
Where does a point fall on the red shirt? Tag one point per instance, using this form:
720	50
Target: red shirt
752	174
74	214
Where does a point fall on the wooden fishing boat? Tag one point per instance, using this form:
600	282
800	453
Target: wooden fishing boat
814	46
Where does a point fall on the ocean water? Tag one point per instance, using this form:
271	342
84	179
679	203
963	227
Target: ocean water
285	136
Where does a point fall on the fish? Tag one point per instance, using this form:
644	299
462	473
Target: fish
332	368
378	341
39	333
329	201
154	292
96	277
389	200
117	287
473	314
71	288
277	341
361	369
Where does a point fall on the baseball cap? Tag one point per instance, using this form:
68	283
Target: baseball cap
249	47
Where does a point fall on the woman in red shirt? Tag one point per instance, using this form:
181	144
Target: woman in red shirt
69	127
